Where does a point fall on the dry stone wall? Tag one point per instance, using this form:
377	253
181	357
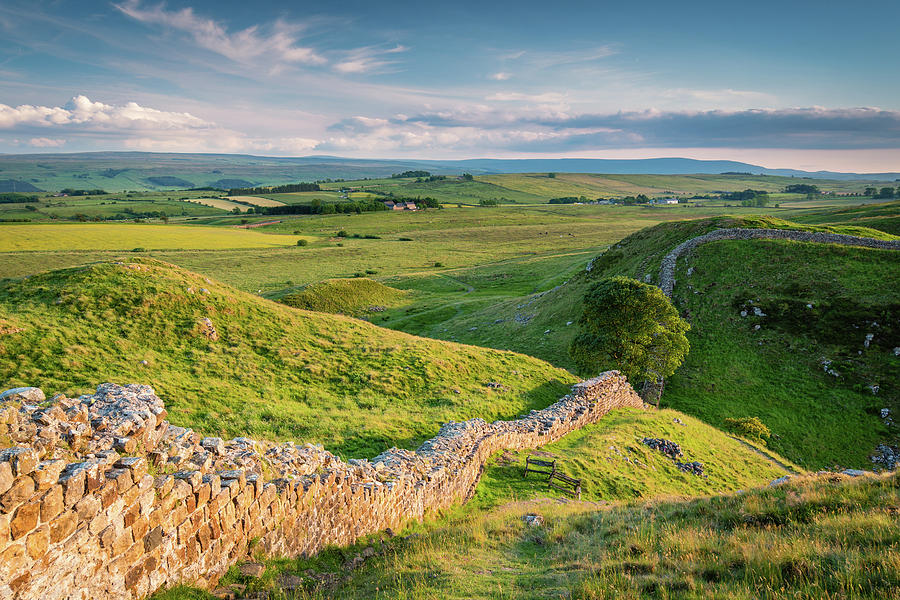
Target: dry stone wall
101	498
667	268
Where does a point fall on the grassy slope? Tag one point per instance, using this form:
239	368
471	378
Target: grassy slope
537	324
815	537
275	371
530	188
883	216
775	373
346	296
614	465
727	373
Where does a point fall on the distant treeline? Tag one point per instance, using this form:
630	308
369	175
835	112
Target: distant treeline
278	189
748	197
317	207
566	200
74	192
10	198
802	188
411	174
885	193
630	200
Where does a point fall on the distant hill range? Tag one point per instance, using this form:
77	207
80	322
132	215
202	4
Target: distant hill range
116	171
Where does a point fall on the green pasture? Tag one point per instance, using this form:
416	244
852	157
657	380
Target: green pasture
41	237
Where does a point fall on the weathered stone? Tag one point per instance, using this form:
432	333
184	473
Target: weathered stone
122	477
252	569
22	460
6	477
21	490
192	478
29	395
47	473
87	507
73	482
125	444
153	539
136	464
25	519
37	542
52	503
63	526
214	445
12	559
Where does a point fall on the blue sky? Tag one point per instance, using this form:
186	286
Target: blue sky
799	84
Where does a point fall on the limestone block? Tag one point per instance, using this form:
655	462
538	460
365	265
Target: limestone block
63	526
22	460
6	477
47	473
38	541
52	503
25	519
21	490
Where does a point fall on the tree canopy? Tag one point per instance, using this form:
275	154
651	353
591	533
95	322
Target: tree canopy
629	326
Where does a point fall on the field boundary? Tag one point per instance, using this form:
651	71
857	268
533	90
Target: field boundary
667	267
99	526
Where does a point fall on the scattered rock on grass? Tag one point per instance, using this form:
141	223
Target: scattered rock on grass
667	447
252	569
28	395
533	520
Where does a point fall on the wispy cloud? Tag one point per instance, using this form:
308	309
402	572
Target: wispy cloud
550	59
500	76
279	41
367	59
43	142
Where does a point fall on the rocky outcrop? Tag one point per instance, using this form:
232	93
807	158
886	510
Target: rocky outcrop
101	498
667	268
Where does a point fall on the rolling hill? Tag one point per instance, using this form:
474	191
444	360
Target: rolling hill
777	372
254	367
116	171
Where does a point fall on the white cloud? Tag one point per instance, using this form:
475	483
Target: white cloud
367	59
500	76
43	142
84	114
278	42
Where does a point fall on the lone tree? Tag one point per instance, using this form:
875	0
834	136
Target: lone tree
633	327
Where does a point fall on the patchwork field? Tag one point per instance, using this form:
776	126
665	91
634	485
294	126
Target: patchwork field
127	236
257	200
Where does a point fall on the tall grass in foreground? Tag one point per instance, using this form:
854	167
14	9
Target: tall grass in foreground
817	537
